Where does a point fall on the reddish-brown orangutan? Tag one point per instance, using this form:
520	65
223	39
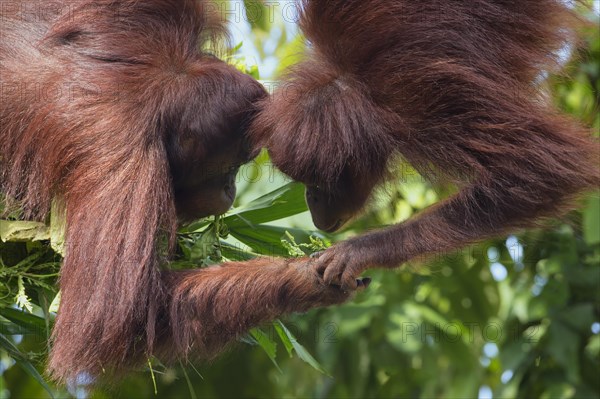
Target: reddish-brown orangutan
114	107
453	87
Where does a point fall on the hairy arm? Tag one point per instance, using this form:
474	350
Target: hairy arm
209	308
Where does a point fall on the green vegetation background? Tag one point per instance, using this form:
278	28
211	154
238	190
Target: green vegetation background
514	317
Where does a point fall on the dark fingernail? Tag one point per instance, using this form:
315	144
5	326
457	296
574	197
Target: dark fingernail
363	282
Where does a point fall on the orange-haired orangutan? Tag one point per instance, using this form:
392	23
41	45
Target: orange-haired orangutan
453	87
114	106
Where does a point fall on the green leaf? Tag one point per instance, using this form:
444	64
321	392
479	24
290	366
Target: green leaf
57	226
284	202
267	344
9	328
206	246
266	240
302	352
55	304
29	321
23	231
195	227
285	339
232	252
23	362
